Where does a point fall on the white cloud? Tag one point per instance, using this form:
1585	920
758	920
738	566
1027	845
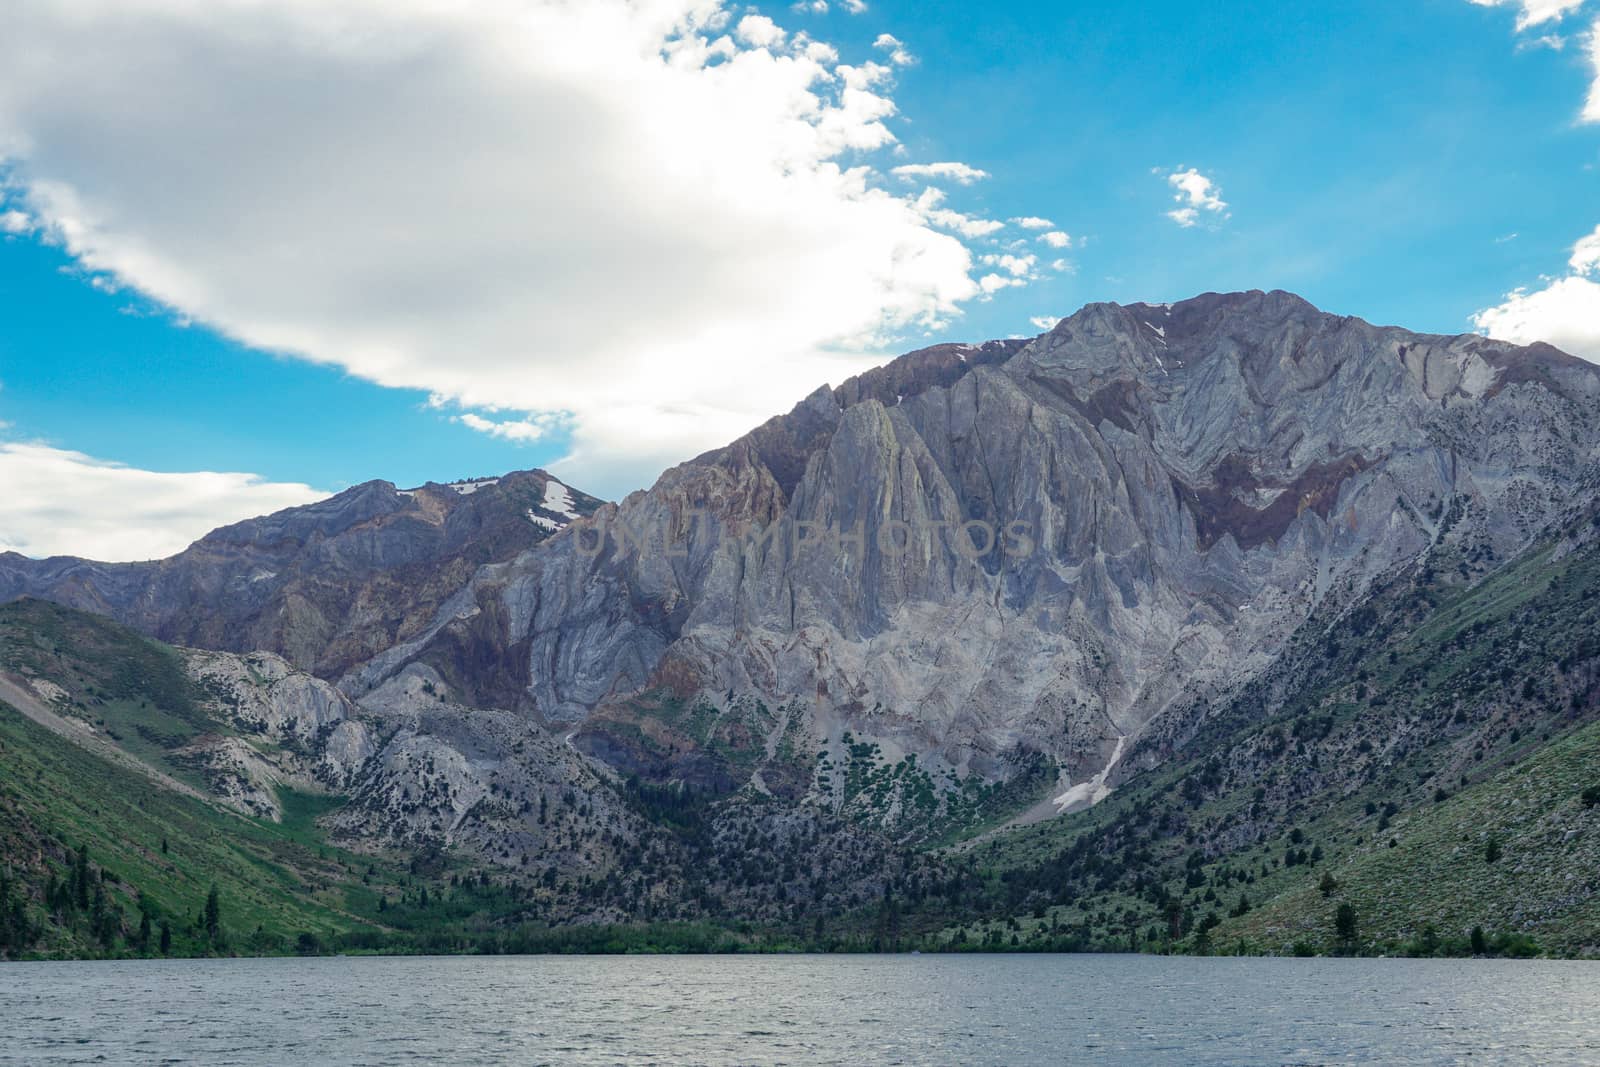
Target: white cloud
1033	222
1586	254
965	225
897	51
824	54
1536	12
66	503
855	7
1056	239
525	206
758	31
1565	313
1194	193
993	283
522	431
1016	266
1044	322
957	172
928	205
1591	109
1060	265
15	223
1585	257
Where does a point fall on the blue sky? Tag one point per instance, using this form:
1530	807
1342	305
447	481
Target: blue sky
1410	163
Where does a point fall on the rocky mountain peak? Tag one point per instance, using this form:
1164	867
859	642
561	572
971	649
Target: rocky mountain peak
1196	481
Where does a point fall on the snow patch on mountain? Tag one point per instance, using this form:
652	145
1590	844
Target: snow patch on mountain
558	499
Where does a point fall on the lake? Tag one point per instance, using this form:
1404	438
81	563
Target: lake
801	1010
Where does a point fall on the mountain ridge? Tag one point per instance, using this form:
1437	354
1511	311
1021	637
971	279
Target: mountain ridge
325	584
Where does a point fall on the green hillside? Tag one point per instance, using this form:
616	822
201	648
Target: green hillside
130	688
1517	856
151	852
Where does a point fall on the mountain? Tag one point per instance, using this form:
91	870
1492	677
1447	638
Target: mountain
1199	480
327	585
1229	582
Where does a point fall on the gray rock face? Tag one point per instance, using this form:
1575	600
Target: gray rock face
1194	481
261	694
282	728
417	770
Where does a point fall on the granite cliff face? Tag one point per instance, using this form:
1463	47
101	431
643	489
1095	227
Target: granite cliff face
974	567
1195	481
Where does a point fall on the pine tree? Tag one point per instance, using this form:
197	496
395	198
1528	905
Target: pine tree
213	912
166	940
1344	923
14	934
80	878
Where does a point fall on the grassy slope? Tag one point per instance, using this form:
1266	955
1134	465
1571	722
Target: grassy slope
1510	662
132	689
1545	883
57	797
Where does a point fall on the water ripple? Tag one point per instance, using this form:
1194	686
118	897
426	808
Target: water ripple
801	1010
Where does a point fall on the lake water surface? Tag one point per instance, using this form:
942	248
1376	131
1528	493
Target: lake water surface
802	1010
